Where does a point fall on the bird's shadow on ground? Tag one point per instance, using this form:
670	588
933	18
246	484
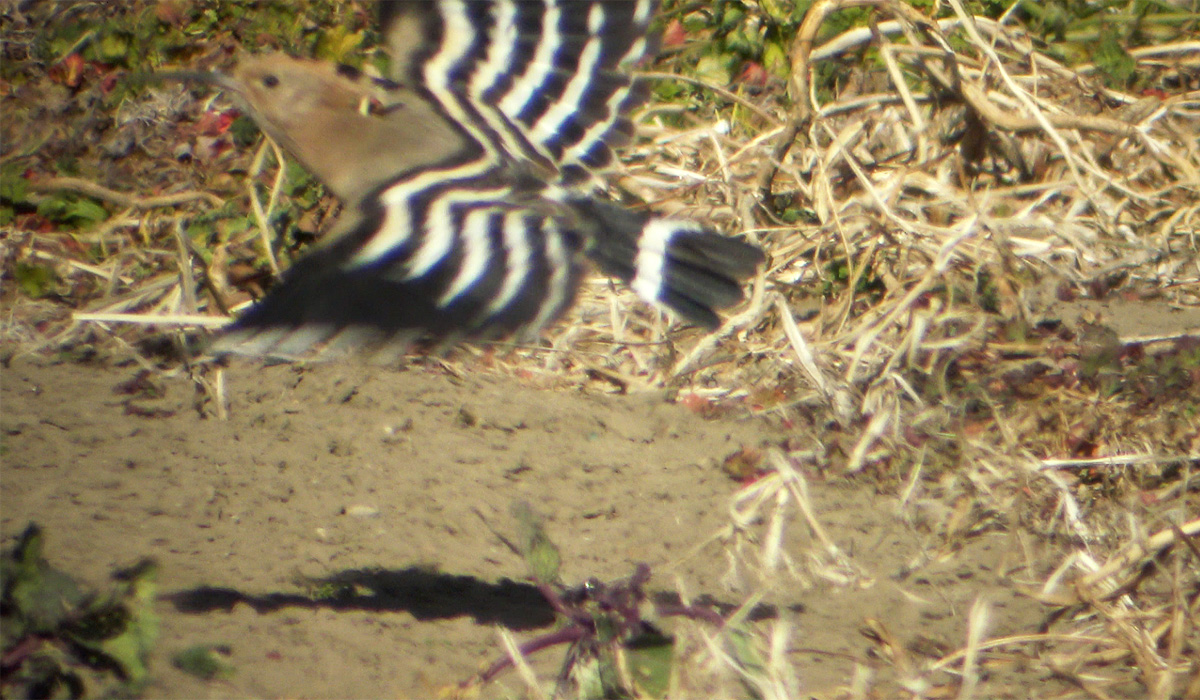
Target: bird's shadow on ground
424	594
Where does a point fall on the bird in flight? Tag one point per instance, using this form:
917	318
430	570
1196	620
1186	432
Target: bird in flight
469	180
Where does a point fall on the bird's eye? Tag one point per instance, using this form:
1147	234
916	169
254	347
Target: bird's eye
270	81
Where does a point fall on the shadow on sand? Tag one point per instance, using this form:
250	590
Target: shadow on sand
424	594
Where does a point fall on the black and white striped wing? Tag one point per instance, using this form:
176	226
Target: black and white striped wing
536	80
437	256
445	256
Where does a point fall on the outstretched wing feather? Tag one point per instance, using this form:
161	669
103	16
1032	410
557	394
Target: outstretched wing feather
537	80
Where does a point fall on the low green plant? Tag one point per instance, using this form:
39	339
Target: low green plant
61	640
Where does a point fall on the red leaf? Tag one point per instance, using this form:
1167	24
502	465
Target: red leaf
68	71
109	83
674	35
215	123
753	74
701	406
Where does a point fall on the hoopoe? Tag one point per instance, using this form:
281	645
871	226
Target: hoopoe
468	180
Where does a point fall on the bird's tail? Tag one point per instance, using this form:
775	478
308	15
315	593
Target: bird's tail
494	263
682	265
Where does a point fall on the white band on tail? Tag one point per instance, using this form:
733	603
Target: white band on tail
651	262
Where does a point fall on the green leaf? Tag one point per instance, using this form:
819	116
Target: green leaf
36	281
121	628
648	659
715	70
1112	58
244	130
340	45
743	41
13	187
775	59
86	211
205	661
44	606
71	209
540	553
668	90
741	640
36	596
113	47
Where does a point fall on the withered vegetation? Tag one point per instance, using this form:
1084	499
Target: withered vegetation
983	298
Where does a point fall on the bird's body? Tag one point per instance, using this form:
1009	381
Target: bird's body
468	180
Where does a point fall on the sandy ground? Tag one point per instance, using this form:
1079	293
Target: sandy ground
402	481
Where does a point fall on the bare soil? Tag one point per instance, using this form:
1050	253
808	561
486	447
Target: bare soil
402	482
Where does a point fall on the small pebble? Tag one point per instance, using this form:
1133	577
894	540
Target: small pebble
361	511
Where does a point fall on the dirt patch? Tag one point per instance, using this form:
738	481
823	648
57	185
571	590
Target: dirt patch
402	481
1132	318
